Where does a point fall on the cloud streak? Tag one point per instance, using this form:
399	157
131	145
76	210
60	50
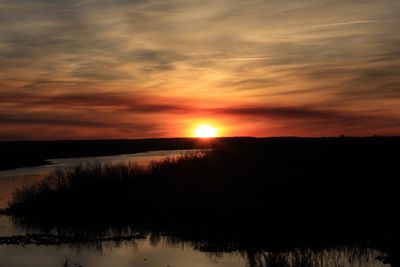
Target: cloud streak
346	23
127	115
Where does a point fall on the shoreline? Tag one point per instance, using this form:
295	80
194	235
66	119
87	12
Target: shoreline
26	165
21	154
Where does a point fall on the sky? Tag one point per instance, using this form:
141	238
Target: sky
82	69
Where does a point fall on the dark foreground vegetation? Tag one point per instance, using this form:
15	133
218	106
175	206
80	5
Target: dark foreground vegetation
276	193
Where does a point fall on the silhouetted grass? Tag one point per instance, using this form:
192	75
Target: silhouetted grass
288	189
98	187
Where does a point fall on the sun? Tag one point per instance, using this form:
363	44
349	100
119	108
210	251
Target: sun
205	131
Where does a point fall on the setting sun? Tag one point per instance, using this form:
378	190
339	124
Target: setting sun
205	131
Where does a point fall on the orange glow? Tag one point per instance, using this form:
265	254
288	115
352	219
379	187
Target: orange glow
205	131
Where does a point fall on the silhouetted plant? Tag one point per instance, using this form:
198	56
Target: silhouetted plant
284	190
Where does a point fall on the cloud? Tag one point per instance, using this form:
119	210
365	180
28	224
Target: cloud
116	60
305	121
124	116
114	101
48	120
345	23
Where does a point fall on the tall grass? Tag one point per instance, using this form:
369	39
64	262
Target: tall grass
306	188
97	187
266	195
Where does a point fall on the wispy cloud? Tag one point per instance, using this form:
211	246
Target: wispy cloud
345	23
238	59
162	62
84	2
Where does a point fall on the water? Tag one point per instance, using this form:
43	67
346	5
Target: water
152	250
147	253
142	253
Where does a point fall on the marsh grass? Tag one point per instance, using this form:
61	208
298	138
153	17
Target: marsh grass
278	202
290	189
98	185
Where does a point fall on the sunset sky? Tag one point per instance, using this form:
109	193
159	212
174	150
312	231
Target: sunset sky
78	69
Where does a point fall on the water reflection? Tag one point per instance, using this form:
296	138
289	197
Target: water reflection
128	246
339	256
138	253
167	251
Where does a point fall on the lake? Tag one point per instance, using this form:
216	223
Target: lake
152	250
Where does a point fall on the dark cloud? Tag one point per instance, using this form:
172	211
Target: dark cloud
47	119
314	121
289	113
58	125
115	101
127	114
141	104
